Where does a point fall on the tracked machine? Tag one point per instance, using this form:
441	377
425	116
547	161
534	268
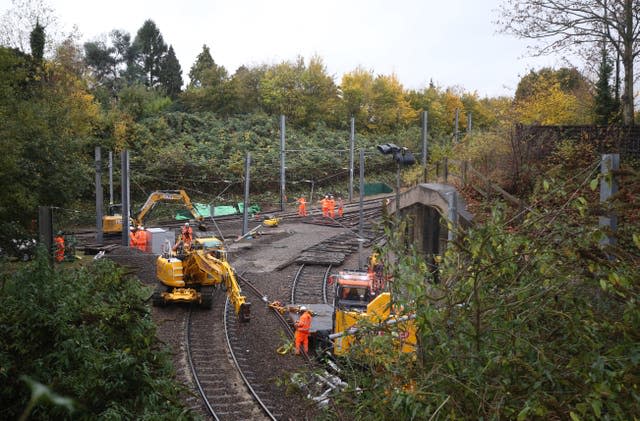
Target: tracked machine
191	275
112	223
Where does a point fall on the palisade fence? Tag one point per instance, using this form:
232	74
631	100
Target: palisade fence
531	144
540	141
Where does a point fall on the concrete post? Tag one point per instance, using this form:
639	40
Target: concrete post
398	185
245	208
124	164
469	122
424	144
446	169
110	178
352	143
99	210
608	187
452	216
282	162
456	125
45	230
361	213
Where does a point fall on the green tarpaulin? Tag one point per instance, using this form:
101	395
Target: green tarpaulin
205	210
376	188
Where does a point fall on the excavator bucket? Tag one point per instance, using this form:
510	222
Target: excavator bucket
245	312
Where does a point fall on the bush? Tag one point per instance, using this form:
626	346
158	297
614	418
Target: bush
87	334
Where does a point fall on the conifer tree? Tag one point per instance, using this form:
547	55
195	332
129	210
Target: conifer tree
171	75
36	40
149	51
606	106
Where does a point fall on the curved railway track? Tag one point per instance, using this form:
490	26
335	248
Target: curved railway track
218	372
309	285
281	319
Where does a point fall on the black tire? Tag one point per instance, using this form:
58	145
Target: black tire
245	312
156	298
206	293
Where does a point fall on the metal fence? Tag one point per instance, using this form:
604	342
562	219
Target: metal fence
624	140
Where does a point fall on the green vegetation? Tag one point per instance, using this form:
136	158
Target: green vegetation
87	334
531	316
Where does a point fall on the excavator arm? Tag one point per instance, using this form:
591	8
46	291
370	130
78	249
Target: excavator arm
214	264
173	196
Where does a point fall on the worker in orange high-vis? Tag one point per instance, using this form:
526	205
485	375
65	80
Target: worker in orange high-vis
303	326
340	204
186	235
324	203
133	237
59	240
302	206
332	207
141	239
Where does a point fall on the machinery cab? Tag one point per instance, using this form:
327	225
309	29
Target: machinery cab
353	290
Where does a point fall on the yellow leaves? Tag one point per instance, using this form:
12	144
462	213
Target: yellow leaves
550	105
378	103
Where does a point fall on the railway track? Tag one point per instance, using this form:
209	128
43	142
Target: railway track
288	329
309	285
219	373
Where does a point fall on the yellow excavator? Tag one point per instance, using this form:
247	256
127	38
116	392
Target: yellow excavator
190	275
362	296
112	223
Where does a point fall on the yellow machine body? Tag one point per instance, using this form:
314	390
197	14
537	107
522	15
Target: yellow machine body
191	277
112	224
378	312
271	222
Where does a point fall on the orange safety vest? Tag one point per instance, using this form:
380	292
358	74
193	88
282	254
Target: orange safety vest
304	324
59	240
325	206
332	206
141	240
133	238
187	236
302	209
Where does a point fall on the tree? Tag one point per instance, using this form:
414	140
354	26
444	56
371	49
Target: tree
36	41
18	22
569	80
562	25
552	97
110	61
244	87
208	88
606	106
149	50
171	74
205	69
49	119
356	90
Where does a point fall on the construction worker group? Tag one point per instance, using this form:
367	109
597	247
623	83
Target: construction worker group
328	205
138	238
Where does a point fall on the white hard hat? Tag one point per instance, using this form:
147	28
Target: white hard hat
186	224
303	308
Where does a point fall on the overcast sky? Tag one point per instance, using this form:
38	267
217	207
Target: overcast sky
452	42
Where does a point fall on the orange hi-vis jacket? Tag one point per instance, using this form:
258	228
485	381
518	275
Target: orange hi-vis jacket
324	202
59	240
302	207
304	324
141	240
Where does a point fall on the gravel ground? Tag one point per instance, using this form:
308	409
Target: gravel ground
256	259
